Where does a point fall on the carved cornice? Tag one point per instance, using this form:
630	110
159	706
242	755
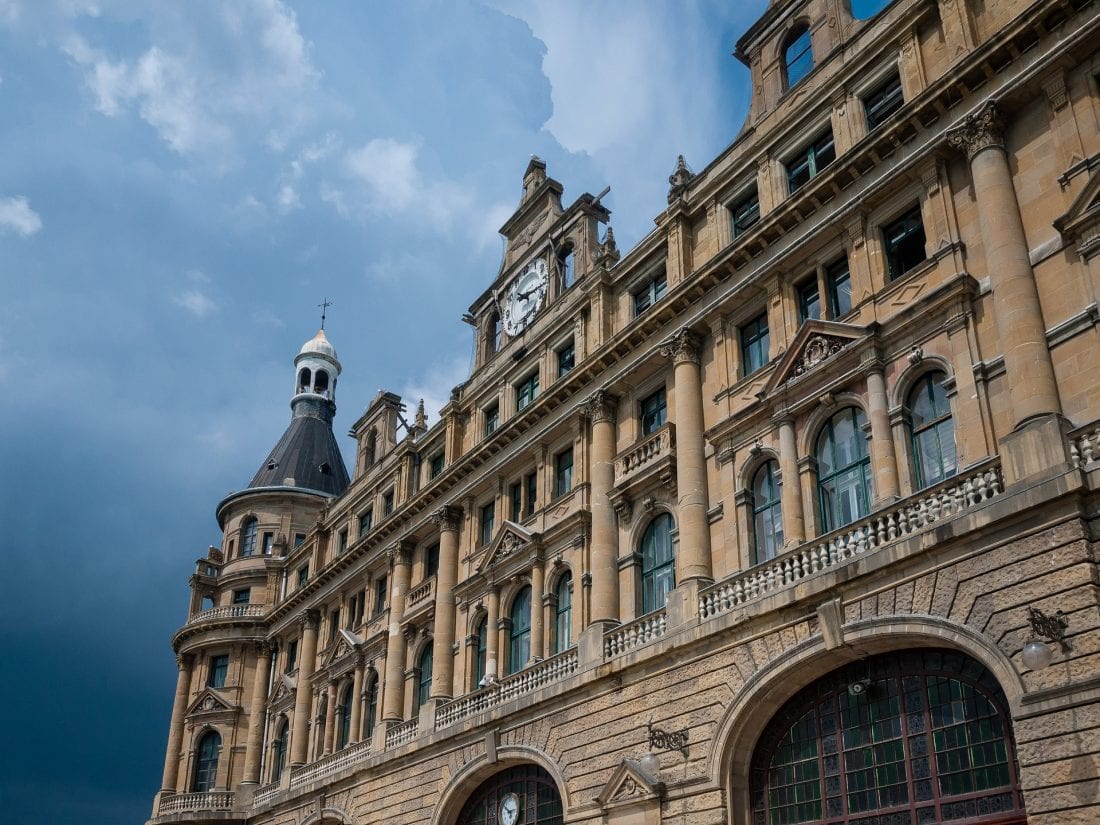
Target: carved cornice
600	406
684	347
263	648
983	129
447	518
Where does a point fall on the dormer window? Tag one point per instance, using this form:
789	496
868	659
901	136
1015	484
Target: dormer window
798	55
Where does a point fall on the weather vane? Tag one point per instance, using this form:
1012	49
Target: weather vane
324	305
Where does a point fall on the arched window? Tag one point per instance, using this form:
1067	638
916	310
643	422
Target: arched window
343	736
658	564
206	762
372	708
563	617
910	736
482	648
304	377
843	469
565	266
933	431
519	647
767	513
320	381
278	761
248	538
539	802
798	55
494	333
423	677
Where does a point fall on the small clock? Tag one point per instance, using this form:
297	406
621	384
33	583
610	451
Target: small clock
525	297
509	809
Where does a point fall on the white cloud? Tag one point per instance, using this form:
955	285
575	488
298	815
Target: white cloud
288	198
434	386
195	301
16	215
388	167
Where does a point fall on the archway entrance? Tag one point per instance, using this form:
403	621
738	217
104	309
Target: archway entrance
915	737
526	792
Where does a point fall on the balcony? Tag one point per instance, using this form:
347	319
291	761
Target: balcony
655	455
196	802
229	611
642	630
330	765
420	598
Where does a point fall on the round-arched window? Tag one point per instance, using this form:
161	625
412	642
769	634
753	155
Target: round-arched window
372	708
658	563
563	613
278	761
346	700
519	648
798	55
248	537
933	431
424	677
843	469
206	762
535	795
481	652
921	736
767	513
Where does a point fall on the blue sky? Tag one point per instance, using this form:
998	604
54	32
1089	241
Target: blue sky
180	186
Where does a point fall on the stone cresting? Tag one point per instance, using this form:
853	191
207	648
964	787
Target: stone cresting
635	634
858	539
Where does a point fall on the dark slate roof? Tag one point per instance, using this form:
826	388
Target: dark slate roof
309	454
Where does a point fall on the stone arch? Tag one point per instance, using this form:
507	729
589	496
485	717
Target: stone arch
742	724
755	462
909	377
781	42
643	519
466	780
329	815
556	573
508	596
811	428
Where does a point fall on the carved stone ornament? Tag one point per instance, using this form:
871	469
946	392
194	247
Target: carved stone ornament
509	544
683	347
818	349
399	553
447	517
981	130
679	180
607	251
263	648
309	619
600	406
208	704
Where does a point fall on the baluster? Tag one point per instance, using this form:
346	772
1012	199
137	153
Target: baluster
861	540
738	592
769	582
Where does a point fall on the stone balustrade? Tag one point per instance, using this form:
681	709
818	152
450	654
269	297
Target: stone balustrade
266	794
657	445
400	734
1084	445
860	538
332	764
207	801
635	634
527	680
421	594
230	611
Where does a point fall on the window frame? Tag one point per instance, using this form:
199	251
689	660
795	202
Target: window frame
248	537
810	158
218	671
803	292
566	357
366	521
486	525
205	778
799	31
648	293
934	426
492	419
899	264
653	411
748	204
832	280
658	574
436	464
423	678
242	596
769	509
527	390
563	472
563	613
861	465
882	101
754	337
519	631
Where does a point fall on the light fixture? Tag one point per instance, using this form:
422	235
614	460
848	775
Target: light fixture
651	764
1037	654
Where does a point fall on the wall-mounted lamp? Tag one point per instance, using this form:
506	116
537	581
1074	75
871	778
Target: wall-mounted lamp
1037	654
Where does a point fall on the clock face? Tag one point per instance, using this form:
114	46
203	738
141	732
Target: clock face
509	809
525	297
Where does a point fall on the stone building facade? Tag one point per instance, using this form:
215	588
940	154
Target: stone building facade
788	514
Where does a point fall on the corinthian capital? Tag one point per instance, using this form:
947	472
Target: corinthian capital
309	619
979	130
447	517
400	552
600	406
684	346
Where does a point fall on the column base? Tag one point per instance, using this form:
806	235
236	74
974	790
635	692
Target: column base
1036	449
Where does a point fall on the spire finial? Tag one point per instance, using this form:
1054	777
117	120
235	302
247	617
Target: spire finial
324	305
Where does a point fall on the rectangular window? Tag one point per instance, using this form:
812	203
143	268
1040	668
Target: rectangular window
810	162
219	669
333	624
268	543
291	655
387	503
515	500
299	539
436	466
650	294
379	595
366	521
566	359
531	482
242	596
431	560
883	102
342	541
754	344
654	412
745	213
486	524
566	267
563	473
809	301
904	240
492	419
303	575
527	390
839	283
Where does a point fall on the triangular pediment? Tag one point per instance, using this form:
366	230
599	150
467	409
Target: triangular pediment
629	783
346	644
1082	222
816	343
510	539
284	689
209	701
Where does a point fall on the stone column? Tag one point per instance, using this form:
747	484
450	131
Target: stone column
884	462
537	634
175	727
330	720
492	634
790	490
600	410
443	628
356	700
257	713
693	556
394	690
1029	371
299	741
